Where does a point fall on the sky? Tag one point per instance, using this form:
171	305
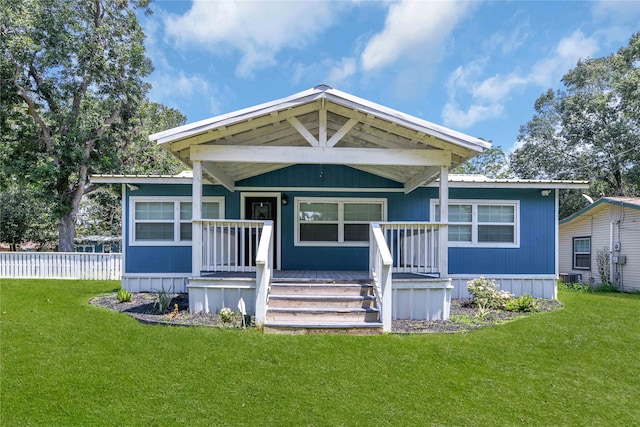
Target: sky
473	66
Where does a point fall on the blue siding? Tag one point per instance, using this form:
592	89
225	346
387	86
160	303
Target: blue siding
326	176
536	254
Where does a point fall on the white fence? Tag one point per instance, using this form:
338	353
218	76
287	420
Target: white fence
60	265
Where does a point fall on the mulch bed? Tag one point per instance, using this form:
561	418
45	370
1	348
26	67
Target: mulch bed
463	316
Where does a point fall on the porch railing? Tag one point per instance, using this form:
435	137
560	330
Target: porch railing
414	246
230	245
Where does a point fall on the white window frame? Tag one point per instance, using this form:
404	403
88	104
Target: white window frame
474	243
341	222
574	253
176	218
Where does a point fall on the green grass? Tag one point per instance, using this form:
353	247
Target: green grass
64	362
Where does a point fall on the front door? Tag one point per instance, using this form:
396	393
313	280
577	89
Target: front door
263	208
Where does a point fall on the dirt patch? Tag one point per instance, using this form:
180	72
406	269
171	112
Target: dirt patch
463	317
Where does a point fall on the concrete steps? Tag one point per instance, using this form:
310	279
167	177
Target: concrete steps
322	307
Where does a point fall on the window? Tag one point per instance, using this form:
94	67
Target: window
336	221
162	220
582	253
482	223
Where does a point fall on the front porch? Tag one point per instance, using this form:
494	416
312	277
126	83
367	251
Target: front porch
237	260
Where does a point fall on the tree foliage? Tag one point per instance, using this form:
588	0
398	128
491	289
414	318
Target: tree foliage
590	130
76	69
492	163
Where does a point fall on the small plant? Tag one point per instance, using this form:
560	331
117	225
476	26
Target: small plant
524	303
163	301
604	269
486	296
124	295
175	313
226	315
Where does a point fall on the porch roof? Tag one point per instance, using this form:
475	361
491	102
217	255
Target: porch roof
320	125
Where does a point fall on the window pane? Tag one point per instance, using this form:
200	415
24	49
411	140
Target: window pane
318	232
496	233
582	261
356	232
459	233
496	213
185	231
460	213
156	231
211	210
582	245
186	211
318	212
362	212
154	210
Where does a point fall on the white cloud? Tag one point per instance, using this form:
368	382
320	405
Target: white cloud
452	115
413	29
617	12
171	88
257	30
488	96
341	71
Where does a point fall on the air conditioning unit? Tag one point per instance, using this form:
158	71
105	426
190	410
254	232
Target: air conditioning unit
571	277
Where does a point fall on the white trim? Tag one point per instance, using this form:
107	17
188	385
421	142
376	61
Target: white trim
328	189
489	183
176	200
474	224
340	201
278	196
556	219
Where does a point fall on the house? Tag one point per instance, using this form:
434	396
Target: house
327	200
97	244
603	236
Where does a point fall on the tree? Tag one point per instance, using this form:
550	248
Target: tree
589	131
492	163
77	68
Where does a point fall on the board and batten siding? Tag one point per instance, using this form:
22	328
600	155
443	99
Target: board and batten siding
597	224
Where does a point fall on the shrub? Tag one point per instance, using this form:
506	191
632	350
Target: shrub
524	303
226	315
485	294
573	287
604	269
124	295
163	301
606	287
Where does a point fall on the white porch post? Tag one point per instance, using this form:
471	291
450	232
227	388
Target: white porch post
196	214
443	234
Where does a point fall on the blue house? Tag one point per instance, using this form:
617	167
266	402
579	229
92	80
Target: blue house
326	210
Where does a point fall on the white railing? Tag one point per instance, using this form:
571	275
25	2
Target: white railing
414	246
264	272
61	265
381	262
230	245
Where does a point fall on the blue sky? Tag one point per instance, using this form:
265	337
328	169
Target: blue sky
474	66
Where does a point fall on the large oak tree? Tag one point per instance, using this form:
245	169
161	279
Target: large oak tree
77	69
590	130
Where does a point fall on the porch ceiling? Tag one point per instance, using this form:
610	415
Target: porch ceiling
324	126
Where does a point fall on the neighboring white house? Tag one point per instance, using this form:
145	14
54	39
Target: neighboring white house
610	226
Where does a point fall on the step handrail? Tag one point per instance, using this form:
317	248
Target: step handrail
380	265
264	271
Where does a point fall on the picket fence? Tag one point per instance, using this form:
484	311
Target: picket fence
61	265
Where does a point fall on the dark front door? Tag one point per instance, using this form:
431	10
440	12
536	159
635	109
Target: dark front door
262	209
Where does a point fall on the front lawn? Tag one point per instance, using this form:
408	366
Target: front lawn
65	362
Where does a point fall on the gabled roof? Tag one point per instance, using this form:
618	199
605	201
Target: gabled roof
627	202
320	125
